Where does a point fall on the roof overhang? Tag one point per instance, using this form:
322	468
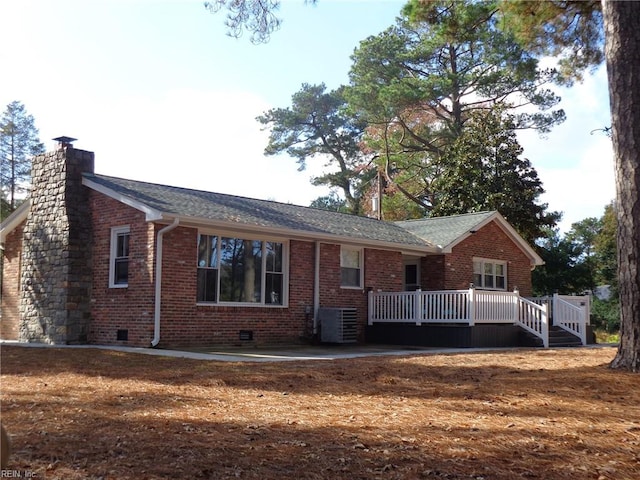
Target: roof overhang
153	215
18	216
150	213
240	228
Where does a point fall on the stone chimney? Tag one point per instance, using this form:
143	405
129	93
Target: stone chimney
56	272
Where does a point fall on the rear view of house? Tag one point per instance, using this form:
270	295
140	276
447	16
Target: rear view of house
104	260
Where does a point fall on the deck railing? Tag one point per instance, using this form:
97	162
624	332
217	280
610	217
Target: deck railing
459	306
570	314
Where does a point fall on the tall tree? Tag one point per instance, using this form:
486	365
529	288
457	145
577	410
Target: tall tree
19	142
317	126
622	33
485	171
621	22
583	234
417	84
563	271
605	249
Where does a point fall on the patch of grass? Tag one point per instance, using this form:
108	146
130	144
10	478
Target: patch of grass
602	336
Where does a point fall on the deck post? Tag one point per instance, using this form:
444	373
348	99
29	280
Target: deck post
417	307
472	305
545	325
370	307
516	305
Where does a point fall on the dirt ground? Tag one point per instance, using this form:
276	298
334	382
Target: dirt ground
532	414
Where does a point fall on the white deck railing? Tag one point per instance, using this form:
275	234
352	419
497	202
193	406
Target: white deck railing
571	314
459	306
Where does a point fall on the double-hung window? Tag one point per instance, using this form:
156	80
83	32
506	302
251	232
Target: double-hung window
490	274
350	267
241	270
119	258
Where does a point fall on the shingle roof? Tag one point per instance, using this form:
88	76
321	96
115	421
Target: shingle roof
218	208
443	231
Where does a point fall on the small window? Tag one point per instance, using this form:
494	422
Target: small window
351	267
490	274
119	262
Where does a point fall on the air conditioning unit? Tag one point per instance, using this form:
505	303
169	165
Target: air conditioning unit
338	325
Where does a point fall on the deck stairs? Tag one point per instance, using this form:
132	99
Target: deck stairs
558	337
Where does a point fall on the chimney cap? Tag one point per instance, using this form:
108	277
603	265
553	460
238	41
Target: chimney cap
65	140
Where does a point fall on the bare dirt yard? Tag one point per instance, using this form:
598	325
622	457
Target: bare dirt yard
532	414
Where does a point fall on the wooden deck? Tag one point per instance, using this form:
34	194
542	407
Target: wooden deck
476	308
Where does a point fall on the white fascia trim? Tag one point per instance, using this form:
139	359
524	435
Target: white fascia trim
151	213
16	218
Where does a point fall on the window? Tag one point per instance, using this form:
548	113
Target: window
119	261
490	274
239	270
351	267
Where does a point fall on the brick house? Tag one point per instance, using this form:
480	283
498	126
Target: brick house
103	260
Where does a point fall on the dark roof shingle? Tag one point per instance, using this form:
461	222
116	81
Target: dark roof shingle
249	212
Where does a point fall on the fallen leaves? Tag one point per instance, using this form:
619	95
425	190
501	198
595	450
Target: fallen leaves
546	414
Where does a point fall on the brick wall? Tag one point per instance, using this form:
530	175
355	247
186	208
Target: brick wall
183	321
454	271
128	308
10	299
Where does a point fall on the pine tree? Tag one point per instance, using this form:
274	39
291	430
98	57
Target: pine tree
19	142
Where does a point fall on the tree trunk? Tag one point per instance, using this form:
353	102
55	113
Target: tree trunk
622	33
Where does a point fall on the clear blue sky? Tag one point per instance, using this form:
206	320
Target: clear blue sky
160	93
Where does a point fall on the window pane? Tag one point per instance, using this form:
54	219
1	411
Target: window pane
273	293
349	258
240	270
350	277
488	268
121	271
207	251
122	249
488	281
477	280
477	267
500	283
207	284
274	256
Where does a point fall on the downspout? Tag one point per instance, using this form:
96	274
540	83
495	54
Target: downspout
316	289
156	311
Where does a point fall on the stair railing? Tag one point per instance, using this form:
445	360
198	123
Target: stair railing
570	317
534	318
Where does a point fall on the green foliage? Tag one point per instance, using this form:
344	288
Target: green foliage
581	260
485	171
606	249
562	271
256	16
605	314
419	84
571	31
331	202
19	142
318	126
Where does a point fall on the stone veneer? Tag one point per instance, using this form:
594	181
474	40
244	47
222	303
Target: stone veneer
56	270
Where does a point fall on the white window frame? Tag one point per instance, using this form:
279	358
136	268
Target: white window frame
113	255
486	261
360	251
263	293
